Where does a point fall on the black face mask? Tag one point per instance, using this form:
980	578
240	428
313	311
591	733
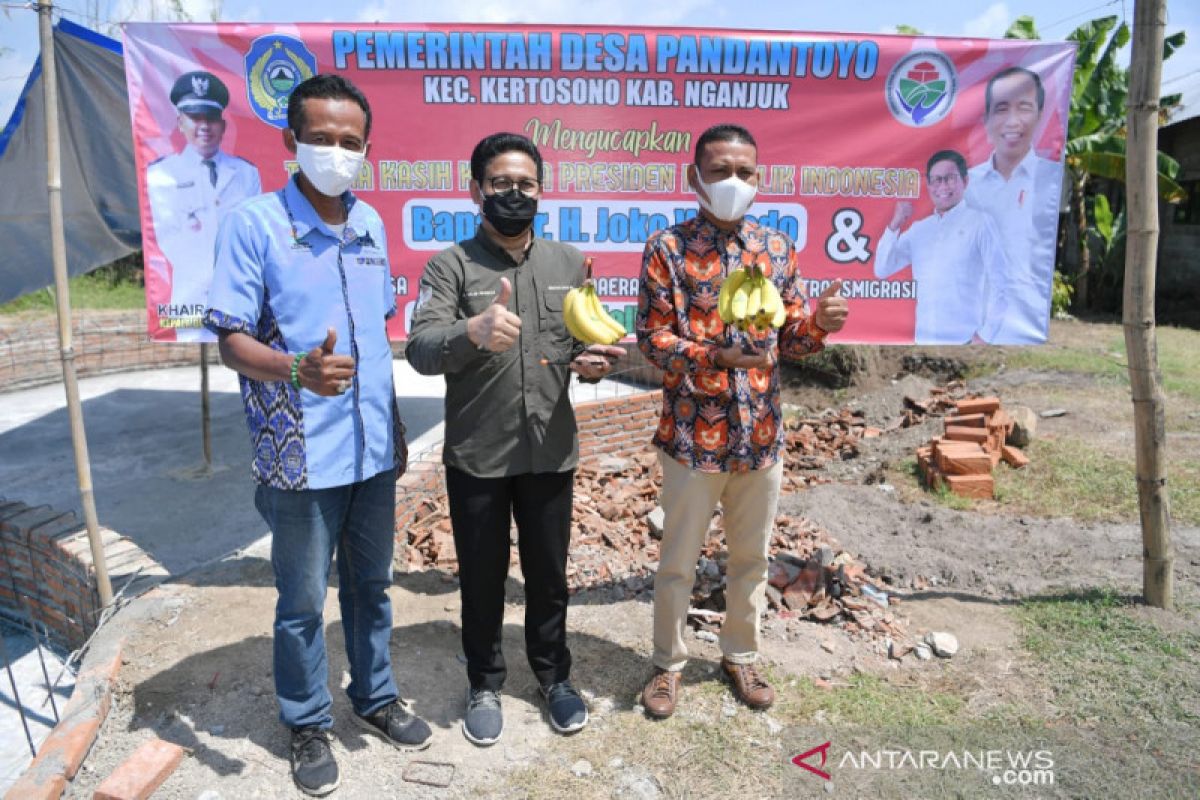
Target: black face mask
510	213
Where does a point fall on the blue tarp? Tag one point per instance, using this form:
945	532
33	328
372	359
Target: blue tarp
99	186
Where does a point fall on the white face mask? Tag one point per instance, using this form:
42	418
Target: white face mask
728	200
330	169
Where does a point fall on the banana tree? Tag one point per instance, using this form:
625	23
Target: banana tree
1096	126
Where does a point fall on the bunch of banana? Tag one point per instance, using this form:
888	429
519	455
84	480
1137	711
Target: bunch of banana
750	298
587	320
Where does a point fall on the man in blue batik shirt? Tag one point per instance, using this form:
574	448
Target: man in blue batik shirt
300	298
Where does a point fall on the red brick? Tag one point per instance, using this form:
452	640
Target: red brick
36	786
962	461
982	487
972	420
143	772
963	434
68	744
980	405
1014	457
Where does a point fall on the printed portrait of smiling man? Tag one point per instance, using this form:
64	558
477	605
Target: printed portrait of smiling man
957	259
1021	191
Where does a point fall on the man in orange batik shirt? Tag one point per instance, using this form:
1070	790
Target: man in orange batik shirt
722	424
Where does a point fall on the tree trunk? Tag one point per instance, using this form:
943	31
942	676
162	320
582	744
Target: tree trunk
1149	413
1078	194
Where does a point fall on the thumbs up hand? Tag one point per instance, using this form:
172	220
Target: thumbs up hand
325	373
497	328
832	308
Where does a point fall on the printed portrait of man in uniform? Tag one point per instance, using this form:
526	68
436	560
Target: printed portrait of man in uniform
189	192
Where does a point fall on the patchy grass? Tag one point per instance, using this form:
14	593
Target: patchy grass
1066	478
702	751
1177	348
1069	477
95	291
1106	664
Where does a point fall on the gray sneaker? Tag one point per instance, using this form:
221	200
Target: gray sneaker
484	721
397	726
313	767
568	712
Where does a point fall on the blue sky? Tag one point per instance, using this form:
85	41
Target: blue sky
987	18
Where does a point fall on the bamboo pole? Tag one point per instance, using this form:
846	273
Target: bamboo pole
1149	413
58	245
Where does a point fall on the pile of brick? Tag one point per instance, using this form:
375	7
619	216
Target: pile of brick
809	577
616	528
961	460
941	400
430	537
615	495
812	442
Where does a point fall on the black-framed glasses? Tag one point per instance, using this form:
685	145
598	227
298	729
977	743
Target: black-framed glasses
502	184
945	180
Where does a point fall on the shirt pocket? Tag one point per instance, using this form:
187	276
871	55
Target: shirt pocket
550	314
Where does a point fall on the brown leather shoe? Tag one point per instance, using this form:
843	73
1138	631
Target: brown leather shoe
661	692
749	684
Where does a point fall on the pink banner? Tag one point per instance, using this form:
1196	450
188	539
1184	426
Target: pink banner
853	133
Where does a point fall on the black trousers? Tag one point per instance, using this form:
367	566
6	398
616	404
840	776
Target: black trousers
480	511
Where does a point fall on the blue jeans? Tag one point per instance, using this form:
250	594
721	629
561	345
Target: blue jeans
307	525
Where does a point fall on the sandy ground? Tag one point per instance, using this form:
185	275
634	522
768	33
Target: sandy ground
198	650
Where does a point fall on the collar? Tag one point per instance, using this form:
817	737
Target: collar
192	156
744	232
1025	166
956	211
305	217
489	244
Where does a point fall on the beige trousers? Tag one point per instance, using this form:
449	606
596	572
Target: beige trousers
689	497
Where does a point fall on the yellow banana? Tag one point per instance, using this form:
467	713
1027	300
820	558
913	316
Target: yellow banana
616	329
725	298
780	316
770	297
586	319
571	313
740	300
754	301
592	329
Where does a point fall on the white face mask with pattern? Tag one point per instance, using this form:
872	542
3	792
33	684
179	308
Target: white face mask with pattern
729	199
330	169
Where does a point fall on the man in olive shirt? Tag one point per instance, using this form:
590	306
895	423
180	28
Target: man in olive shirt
488	314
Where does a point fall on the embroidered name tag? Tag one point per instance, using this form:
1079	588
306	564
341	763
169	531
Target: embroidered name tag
482	293
372	261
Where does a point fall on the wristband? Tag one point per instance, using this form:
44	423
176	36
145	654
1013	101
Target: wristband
296	368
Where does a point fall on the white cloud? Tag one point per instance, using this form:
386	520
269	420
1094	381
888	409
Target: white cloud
158	11
991	24
612	12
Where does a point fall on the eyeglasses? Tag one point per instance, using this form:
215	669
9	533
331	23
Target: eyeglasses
502	184
945	180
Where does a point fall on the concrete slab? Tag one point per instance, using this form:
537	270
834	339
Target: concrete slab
144	442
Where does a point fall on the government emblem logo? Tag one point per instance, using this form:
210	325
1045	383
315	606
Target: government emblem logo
275	65
921	88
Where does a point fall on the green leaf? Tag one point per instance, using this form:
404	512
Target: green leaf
907	30
1090	37
1103	216
1106	87
1173	43
1022	28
